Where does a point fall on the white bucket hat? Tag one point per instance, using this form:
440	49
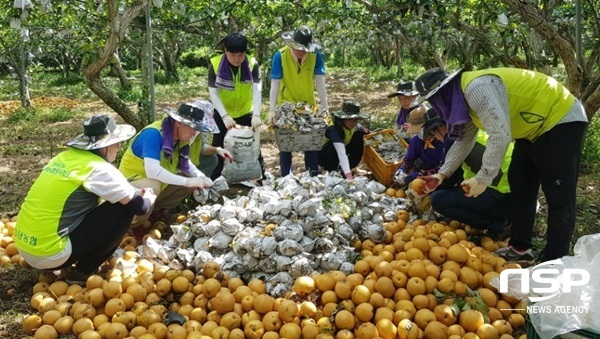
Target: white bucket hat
101	131
197	114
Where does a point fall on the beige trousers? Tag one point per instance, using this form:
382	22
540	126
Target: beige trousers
165	199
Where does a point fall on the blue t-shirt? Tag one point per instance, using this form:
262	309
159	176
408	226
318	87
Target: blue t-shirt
148	144
277	69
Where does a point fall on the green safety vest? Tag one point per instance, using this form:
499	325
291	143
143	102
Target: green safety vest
472	164
196	150
133	167
536	102
239	101
297	82
44	223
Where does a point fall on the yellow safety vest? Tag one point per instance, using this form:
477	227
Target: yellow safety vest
297	83
472	164
536	102
239	101
133	167
56	203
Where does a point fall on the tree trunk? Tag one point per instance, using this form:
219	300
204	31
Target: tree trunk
170	64
117	28
589	90
399	69
538	56
484	39
561	46
344	54
23	83
24	90
114	102
117	68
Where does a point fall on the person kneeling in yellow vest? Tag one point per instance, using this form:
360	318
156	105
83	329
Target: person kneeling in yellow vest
90	208
159	157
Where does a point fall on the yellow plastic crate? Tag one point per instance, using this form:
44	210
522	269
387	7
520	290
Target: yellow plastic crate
381	169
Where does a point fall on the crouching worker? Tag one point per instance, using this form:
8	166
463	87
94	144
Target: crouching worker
89	209
344	141
426	153
487	211
159	157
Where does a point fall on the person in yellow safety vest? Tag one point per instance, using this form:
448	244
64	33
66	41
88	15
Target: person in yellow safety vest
547	123
295	72
344	140
80	207
234	85
489	210
159	157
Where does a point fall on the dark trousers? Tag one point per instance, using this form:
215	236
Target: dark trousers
219	139
454	180
98	236
328	157
488	211
552	161
311	162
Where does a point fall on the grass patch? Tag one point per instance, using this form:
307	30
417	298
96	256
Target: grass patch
590	156
9	89
43	115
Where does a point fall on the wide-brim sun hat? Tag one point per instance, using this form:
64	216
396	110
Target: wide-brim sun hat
101	131
350	110
301	39
416	118
432	123
432	81
406	89
198	115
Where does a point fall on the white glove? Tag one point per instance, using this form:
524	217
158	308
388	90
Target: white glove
223	153
271	118
198	182
256	122
432	182
228	121
148	193
400	177
472	187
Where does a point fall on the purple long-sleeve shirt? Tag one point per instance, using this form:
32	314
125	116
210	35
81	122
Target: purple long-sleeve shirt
431	158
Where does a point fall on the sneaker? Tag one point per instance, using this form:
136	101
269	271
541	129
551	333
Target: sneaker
512	255
77	277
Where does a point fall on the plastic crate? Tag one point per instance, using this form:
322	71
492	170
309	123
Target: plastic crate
582	333
381	169
289	140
